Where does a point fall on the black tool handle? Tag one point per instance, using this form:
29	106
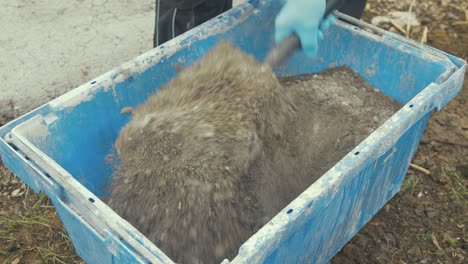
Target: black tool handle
288	45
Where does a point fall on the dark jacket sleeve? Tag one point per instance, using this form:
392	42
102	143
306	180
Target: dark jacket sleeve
188	4
354	8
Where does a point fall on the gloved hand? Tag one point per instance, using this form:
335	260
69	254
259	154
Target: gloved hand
305	18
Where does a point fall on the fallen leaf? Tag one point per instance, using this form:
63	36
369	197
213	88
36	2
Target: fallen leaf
401	19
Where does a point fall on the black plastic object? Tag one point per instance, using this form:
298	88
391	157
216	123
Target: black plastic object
288	45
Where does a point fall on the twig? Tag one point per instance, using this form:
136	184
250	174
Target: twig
424	36
434	241
462	22
443	141
408	26
462	9
421	169
397	27
26	199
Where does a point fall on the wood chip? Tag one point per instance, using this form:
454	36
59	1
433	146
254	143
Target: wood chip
126	110
435	242
424	36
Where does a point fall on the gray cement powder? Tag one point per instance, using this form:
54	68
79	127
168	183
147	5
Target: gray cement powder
222	148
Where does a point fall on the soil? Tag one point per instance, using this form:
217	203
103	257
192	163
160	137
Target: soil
186	152
336	110
425	223
199	159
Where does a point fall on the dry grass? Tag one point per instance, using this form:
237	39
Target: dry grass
34	234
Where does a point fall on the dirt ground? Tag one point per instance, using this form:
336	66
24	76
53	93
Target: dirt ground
425	223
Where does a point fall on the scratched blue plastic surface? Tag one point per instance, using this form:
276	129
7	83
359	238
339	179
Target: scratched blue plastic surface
320	222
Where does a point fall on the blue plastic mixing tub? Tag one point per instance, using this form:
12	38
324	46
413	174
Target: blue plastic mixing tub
61	147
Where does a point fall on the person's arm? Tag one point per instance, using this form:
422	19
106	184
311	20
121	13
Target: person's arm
305	18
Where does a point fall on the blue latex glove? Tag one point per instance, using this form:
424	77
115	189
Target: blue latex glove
305	17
